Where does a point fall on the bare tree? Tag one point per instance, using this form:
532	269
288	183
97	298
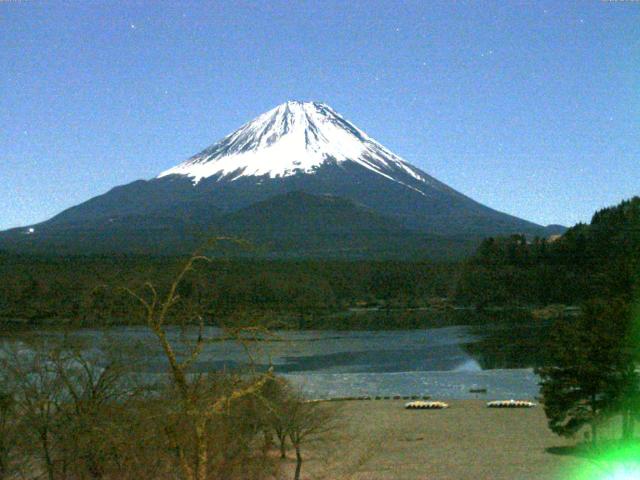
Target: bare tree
8	428
275	401
94	399
38	395
309	422
198	405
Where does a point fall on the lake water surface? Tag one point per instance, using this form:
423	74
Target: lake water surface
328	364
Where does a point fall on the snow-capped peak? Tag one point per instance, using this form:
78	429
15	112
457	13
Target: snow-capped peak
295	137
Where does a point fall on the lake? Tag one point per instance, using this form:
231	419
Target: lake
327	364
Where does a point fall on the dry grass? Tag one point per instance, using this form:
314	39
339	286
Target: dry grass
380	440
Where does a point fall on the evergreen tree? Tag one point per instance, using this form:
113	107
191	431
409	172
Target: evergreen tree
592	369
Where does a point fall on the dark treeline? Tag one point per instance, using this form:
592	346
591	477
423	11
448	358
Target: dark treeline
88	289
601	259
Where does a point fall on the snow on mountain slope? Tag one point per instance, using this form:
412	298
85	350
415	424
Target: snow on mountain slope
295	137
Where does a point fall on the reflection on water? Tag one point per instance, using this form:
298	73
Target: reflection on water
509	345
470	365
441	362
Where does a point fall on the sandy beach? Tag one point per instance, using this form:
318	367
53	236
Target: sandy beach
381	440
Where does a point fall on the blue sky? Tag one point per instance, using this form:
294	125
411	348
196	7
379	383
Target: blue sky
532	108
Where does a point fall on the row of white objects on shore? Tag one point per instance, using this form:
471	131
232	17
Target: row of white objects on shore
421	405
510	404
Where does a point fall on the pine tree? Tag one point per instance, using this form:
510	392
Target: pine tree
592	369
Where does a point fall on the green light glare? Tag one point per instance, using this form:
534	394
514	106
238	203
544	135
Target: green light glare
621	462
624	473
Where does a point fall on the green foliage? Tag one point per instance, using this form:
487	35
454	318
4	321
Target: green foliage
600	259
592	367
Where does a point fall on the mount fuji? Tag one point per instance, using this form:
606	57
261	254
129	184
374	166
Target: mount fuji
299	180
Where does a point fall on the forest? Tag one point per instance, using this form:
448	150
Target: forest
600	259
